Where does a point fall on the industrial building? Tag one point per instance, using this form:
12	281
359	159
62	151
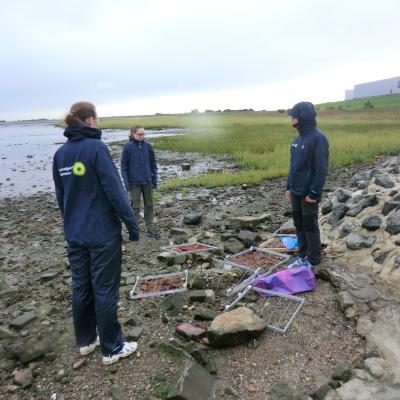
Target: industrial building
383	87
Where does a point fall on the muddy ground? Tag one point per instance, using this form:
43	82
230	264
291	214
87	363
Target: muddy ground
35	278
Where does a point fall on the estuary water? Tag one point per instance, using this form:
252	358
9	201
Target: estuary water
27	149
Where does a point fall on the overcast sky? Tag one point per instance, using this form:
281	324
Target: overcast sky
141	57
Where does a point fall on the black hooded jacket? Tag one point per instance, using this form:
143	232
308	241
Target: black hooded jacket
309	154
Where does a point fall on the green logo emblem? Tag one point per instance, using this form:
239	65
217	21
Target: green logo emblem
79	169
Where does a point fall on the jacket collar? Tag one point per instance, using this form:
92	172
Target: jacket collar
81	132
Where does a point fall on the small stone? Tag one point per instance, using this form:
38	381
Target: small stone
202	296
192	219
372	223
79	363
116	394
384	181
368	201
191	332
48	276
134	333
338	212
22	320
390	206
376	366
231	392
341	374
355	241
345	300
326	207
185	166
321	392
24	377
380	256
205	314
393	224
343	194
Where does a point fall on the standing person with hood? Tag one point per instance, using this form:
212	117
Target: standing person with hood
309	156
139	172
92	201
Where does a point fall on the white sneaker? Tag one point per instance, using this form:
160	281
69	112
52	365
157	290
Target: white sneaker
90	348
127	349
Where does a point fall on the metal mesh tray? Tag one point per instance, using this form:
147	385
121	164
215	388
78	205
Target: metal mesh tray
187	248
159	285
278	310
257	257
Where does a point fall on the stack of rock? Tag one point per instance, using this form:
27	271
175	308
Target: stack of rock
362	223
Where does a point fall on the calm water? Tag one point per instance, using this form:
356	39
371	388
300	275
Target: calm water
26	154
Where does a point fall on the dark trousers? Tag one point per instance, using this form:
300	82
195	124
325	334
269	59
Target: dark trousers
147	192
305	218
96	273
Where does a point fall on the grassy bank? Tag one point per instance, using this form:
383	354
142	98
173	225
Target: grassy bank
382	102
261	150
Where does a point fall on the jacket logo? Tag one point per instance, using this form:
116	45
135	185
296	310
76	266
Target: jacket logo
79	169
294	145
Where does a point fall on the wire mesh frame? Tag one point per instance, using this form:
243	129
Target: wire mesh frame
277	309
243	283
282	256
136	292
207	247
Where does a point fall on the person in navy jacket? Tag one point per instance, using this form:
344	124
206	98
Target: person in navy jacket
309	157
139	173
93	202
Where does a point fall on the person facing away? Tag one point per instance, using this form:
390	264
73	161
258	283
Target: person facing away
139	173
309	157
92	201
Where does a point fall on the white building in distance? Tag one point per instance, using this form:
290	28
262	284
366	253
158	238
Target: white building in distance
383	87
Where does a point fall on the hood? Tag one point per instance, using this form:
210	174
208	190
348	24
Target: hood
82	131
305	113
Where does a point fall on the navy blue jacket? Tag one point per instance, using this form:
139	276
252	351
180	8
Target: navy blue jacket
309	154
138	164
89	190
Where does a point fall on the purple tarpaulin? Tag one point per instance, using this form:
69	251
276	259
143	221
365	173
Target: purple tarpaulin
288	281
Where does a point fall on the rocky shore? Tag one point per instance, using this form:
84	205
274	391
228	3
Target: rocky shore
345	341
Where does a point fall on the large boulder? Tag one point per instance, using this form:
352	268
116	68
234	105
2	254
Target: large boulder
367	201
326	207
235	327
355	241
393	223
372	223
193	382
248	222
360	176
384	181
390	206
192	219
233	246
342	195
338	212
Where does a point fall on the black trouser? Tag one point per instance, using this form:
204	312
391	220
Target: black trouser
96	274
305	218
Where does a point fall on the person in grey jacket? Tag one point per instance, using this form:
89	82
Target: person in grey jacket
139	173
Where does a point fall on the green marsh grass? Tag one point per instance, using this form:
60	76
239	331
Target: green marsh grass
259	142
261	150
